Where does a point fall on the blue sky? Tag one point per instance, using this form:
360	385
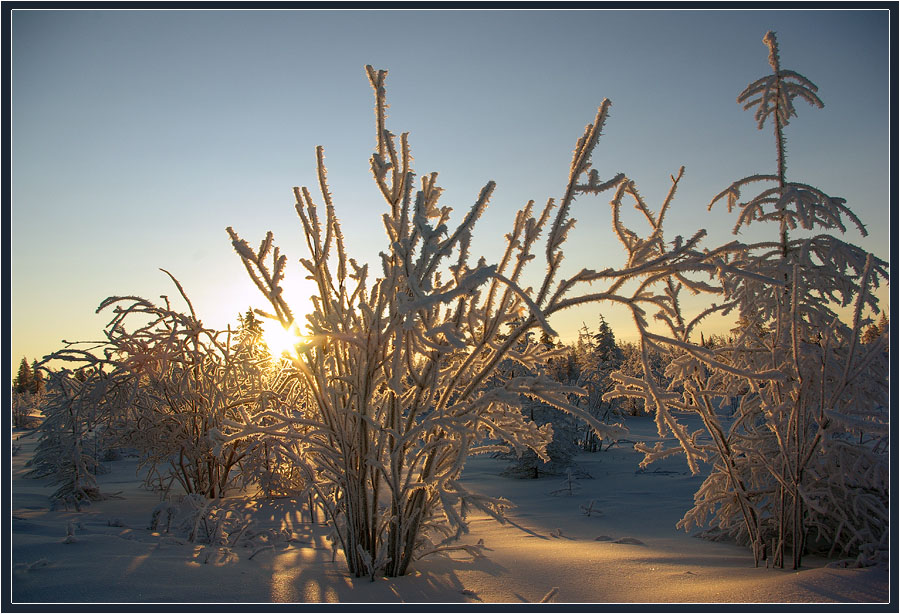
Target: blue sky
138	136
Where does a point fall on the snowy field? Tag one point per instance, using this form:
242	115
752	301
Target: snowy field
626	551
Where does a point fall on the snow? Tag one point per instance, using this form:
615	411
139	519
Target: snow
629	552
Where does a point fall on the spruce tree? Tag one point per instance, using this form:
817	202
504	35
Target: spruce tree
37	379
23	381
251	330
806	448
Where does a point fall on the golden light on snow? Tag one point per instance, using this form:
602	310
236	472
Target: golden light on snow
280	340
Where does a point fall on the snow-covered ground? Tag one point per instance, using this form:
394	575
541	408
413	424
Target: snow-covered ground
629	552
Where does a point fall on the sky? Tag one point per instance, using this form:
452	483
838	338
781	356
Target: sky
139	136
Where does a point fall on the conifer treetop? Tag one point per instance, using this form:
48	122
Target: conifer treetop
774	93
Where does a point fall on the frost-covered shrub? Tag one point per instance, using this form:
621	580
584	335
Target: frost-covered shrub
200	520
162	386
397	368
25	408
187	380
219	527
271	456
806	445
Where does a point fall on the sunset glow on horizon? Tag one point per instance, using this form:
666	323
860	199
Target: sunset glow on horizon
176	124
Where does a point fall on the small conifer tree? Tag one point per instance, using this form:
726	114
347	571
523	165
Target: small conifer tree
37	379
24	380
807	448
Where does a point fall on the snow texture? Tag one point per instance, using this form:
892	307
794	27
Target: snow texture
119	557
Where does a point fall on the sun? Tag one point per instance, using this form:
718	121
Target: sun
280	340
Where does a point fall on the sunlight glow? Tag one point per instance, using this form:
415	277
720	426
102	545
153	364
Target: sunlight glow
279	340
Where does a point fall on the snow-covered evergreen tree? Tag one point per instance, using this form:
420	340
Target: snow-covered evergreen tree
69	448
37	378
561	449
807	448
874	331
598	356
23	381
